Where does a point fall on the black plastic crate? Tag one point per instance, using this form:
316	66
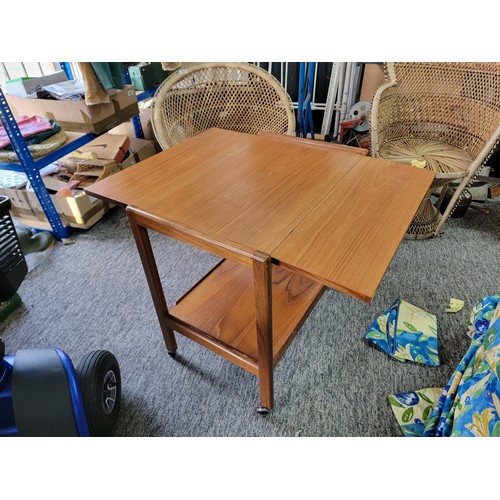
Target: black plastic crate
13	267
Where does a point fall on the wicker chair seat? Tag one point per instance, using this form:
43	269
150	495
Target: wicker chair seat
449	163
440	157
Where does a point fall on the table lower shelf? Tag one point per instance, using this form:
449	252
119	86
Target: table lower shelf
222	306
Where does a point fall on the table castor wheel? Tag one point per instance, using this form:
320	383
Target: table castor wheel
171	354
262	410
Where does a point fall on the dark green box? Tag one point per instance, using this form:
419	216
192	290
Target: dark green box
145	76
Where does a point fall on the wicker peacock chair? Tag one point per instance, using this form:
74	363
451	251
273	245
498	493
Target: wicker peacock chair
232	96
447	114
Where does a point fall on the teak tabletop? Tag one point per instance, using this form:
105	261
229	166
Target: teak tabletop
327	217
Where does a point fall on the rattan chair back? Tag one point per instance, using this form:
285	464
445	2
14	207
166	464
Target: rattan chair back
232	96
445	113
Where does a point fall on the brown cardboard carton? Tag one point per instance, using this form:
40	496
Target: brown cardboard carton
20	204
80	211
127	128
90	171
108	147
139	150
76	115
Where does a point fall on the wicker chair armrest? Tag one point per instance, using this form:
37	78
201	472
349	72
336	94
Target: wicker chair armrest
375	123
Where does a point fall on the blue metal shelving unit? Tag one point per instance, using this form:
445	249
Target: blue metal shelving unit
66	66
31	167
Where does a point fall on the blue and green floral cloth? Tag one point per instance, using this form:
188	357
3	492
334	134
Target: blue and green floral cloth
407	333
469	405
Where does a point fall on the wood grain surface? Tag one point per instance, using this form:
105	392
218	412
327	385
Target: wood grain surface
315	143
348	241
223	305
335	217
247	189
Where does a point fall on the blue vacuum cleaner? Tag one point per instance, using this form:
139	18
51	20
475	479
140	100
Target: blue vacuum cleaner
41	391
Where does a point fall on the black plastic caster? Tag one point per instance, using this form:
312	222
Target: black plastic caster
262	410
171	354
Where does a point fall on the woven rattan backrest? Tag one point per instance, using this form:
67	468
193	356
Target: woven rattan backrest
231	96
457	103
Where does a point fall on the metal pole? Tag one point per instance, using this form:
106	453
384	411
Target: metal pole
345	93
300	104
6	72
31	170
338	101
66	66
310	93
330	99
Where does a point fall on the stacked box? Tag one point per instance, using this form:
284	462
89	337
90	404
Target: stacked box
76	116
145	76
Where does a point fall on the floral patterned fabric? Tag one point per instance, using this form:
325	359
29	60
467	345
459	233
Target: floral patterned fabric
412	409
470	403
407	333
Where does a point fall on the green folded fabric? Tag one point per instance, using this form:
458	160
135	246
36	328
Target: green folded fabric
110	74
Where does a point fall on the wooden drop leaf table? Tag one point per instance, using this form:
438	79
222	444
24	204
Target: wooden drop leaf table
287	216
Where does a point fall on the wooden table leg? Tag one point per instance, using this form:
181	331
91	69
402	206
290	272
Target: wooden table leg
153	278
263	306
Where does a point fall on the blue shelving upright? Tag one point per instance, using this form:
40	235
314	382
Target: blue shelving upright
31	167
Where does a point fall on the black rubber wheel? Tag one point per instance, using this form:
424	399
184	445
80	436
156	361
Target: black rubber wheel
99	379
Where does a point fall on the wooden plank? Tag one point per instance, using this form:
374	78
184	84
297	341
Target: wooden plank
223	306
226	351
315	143
218	246
247	189
348	241
373	77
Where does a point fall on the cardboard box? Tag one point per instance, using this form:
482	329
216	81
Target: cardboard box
76	115
23	87
89	172
494	191
139	150
20	204
126	128
81	211
107	147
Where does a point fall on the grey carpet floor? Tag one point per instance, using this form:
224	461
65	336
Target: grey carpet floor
331	382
